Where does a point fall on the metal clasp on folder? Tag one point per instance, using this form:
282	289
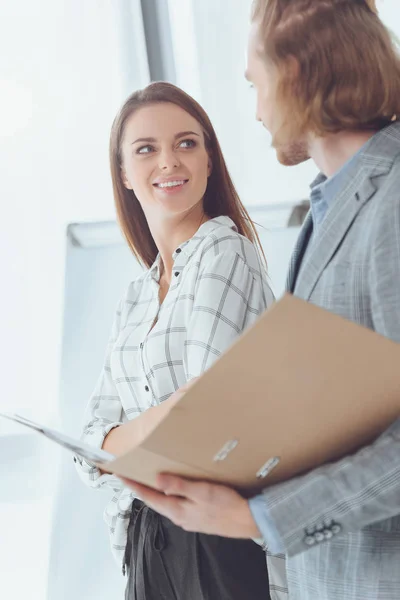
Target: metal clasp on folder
226	450
267	467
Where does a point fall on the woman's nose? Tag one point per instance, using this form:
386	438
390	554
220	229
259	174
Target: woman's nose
168	161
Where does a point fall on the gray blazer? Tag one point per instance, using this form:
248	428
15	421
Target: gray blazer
340	524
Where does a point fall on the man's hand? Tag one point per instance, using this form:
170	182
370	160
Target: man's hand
199	506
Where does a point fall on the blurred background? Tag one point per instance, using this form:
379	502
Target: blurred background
65	68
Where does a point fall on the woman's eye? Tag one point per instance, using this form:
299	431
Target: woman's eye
187	144
144	149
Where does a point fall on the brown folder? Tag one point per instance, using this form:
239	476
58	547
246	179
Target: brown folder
300	388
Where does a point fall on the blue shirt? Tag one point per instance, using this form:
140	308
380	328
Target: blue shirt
323	194
324	190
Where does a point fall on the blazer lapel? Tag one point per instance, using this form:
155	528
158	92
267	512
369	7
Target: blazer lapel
298	252
332	231
376	160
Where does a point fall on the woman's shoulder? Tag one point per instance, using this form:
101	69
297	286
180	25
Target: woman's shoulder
227	253
135	293
223	240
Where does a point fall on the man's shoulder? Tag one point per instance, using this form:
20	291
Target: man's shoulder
385	205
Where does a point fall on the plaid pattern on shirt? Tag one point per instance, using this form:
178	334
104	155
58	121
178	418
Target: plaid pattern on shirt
218	289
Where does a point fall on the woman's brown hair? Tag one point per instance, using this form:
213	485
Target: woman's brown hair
220	197
338	67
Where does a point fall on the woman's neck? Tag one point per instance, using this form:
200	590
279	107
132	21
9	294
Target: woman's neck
171	233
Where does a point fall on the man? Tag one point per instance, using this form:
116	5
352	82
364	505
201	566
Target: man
328	87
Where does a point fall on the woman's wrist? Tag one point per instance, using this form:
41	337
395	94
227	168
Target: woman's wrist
110	442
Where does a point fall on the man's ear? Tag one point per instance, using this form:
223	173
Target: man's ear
125	180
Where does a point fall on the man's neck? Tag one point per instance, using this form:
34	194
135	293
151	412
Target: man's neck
331	152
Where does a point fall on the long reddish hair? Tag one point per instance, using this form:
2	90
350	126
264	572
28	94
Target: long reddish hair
220	197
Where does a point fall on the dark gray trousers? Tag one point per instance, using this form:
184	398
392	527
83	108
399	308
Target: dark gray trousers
164	562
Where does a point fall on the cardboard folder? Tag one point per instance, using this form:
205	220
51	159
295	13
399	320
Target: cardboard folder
300	388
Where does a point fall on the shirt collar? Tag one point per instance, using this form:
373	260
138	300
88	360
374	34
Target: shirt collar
183	253
324	190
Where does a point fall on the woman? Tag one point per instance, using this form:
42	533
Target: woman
204	284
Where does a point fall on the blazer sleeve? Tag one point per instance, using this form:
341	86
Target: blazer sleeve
364	488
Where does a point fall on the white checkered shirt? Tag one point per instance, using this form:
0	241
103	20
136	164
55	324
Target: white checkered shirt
218	289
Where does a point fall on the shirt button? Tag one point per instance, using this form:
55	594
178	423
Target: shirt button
319	536
178	250
336	529
74	459
327	534
141	344
310	540
176	273
146	387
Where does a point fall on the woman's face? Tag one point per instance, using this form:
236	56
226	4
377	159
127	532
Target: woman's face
164	159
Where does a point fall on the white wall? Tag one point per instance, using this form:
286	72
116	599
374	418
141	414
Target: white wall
389	11
61	82
62	67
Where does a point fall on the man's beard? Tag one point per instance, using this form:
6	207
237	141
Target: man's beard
292	154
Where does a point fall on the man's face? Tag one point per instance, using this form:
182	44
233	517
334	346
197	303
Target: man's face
264	77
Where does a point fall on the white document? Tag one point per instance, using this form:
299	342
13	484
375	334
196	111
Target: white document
95	455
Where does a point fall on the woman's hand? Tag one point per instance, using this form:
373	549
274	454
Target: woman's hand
130	434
